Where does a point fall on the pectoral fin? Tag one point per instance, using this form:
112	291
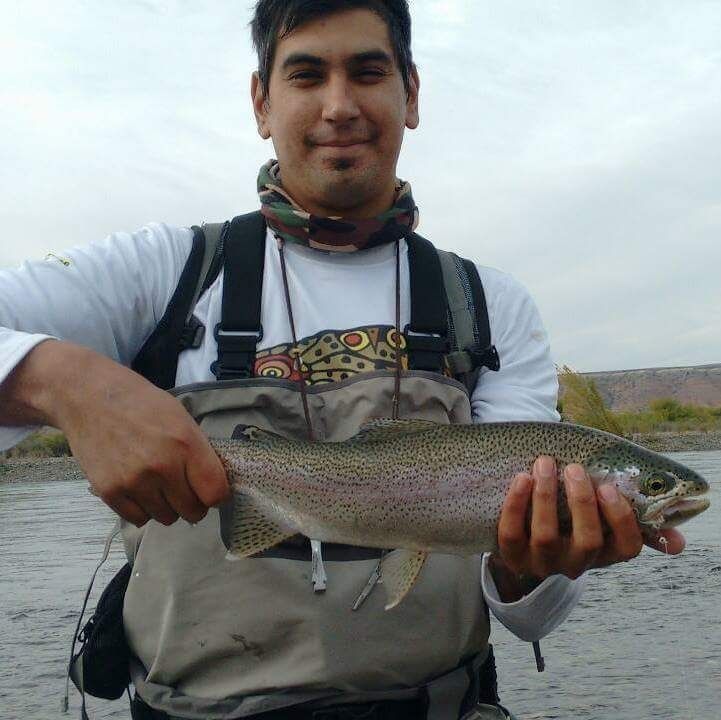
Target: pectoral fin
399	570
246	529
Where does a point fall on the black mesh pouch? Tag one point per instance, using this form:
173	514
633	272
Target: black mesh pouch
101	667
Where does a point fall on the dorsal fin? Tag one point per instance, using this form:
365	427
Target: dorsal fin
382	429
254	433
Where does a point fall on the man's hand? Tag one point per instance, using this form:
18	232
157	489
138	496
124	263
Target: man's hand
527	558
142	453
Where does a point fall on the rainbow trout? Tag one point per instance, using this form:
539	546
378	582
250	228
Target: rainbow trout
422	487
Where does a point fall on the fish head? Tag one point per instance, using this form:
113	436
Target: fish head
662	492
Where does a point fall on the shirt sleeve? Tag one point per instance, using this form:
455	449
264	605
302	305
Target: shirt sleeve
108	296
538	613
525	388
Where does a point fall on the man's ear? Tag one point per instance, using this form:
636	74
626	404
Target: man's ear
414	84
260	105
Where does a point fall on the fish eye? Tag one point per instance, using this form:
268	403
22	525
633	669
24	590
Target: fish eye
658	485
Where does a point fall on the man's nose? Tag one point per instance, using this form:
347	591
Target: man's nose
339	102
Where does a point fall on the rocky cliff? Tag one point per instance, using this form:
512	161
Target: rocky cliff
635	389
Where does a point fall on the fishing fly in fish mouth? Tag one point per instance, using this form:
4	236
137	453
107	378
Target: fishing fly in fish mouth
422	487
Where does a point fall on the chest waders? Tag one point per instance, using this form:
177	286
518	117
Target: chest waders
216	639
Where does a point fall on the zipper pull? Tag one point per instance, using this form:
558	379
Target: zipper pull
373	580
319	578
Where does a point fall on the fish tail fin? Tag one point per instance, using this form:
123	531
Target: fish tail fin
246	529
399	571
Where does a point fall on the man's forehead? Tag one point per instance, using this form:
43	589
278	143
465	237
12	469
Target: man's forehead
338	37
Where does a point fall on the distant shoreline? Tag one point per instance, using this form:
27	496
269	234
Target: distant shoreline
41	469
693	440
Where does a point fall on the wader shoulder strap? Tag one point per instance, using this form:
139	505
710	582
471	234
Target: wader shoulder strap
449	325
426	335
469	327
178	329
240	330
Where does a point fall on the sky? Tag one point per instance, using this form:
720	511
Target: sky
575	144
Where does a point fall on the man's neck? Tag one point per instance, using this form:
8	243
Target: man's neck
377	206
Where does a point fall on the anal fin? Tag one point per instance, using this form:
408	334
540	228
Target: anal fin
399	571
246	529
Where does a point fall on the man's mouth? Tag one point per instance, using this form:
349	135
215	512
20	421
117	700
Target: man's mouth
343	143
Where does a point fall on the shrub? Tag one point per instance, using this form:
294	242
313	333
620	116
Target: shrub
42	444
582	403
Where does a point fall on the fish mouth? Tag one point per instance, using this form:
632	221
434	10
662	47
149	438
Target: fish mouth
678	511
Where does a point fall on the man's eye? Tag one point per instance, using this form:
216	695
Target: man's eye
370	73
305	75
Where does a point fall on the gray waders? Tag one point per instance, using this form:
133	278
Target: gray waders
219	639
211	638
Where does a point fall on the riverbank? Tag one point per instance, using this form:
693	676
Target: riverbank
39	469
679	442
36	469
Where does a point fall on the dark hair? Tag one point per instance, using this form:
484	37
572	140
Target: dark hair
275	19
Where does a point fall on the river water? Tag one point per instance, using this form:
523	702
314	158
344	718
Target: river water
643	644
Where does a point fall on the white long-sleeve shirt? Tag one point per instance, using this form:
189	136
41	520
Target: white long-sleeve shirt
111	294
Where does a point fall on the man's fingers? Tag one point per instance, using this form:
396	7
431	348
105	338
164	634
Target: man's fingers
621	520
545	541
129	510
151	499
185	502
669	541
587	534
206	475
512	534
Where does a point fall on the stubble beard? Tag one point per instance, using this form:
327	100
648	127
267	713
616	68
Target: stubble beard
342	188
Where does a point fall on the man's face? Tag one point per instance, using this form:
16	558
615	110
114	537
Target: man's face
336	112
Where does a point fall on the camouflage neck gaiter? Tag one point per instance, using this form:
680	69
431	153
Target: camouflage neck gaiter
289	221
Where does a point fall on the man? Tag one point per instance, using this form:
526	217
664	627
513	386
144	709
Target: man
335	89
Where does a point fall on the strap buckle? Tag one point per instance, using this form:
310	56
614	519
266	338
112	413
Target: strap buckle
192	335
433	342
425	350
488	357
236	352
257	335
